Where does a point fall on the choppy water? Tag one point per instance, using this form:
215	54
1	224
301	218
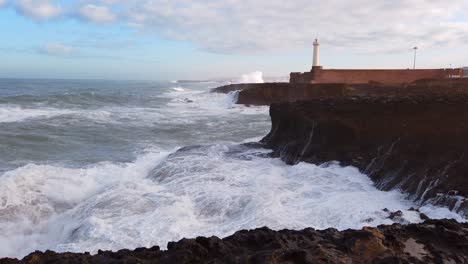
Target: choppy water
87	165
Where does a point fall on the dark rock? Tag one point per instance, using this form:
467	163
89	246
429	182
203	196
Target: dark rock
435	241
396	214
424	216
269	93
414	143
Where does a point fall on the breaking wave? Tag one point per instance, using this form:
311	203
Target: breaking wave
127	167
200	190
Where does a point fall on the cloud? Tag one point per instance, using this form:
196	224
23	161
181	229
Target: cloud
97	14
2	3
56	49
244	26
37	9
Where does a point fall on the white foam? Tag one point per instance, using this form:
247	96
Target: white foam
34	199
10	114
205	191
253	77
192	104
202	191
178	89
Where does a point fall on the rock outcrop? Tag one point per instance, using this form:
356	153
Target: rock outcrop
435	241
417	144
269	93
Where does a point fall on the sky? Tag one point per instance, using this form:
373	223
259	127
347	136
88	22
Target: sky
205	39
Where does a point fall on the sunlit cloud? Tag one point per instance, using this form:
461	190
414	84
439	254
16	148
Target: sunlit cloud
97	14
241	26
37	9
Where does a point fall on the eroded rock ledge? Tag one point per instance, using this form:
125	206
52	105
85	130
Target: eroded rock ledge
269	93
417	144
435	241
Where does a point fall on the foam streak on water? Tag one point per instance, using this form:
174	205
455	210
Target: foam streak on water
111	169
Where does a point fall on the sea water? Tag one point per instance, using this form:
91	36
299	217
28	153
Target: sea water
88	165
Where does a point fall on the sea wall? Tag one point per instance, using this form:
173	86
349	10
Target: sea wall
417	144
387	76
268	93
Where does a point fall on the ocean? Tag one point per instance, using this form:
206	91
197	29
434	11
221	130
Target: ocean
88	165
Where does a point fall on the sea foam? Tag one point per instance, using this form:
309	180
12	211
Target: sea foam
195	191
215	187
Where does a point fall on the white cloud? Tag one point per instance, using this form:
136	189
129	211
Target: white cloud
2	3
97	14
37	9
245	26
57	49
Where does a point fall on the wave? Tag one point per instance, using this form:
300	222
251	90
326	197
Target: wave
199	190
233	96
36	201
89	98
17	113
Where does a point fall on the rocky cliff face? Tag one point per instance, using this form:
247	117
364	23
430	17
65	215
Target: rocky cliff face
417	144
269	93
435	241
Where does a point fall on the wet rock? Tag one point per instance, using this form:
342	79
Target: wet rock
396	214
414	143
435	241
424	216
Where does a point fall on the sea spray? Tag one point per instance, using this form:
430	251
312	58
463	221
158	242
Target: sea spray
200	190
253	77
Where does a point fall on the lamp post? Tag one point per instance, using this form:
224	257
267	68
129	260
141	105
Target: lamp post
414	62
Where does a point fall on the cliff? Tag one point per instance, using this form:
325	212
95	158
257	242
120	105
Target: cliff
269	93
435	241
417	144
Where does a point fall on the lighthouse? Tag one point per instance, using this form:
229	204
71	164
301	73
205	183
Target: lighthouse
315	63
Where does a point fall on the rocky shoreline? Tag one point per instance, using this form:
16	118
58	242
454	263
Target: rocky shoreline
416	144
269	93
435	241
411	137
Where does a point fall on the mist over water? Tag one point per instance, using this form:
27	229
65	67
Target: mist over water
88	165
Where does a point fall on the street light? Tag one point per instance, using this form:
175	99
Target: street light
414	62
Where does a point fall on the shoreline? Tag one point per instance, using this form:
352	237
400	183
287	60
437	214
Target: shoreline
373	127
435	241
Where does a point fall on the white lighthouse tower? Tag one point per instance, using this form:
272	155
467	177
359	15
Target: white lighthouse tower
315	63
